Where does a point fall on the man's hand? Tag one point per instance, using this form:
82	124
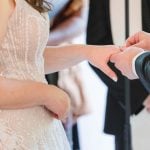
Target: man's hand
140	39
123	61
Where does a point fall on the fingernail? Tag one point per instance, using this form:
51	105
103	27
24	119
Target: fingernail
115	79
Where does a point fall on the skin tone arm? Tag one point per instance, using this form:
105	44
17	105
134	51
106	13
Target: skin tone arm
57	58
16	94
70	28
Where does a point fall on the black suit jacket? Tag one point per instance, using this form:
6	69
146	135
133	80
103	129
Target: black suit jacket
99	33
142	66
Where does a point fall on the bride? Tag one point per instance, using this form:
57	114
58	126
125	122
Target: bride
30	109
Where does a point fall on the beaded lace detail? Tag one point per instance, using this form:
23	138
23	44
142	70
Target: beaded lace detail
21	50
21	57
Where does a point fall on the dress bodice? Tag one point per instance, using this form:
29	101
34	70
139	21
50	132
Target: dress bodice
21	49
21	57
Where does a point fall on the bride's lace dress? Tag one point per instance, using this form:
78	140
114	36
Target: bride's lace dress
21	57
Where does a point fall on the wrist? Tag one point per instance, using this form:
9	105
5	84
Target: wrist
133	62
48	92
51	98
42	94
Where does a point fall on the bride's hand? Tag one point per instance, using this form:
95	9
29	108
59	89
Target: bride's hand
58	103
99	56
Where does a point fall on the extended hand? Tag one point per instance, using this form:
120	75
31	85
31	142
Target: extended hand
99	56
123	61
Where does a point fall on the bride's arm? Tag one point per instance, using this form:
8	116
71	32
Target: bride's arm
57	58
17	94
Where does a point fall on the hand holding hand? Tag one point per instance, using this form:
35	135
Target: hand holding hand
123	61
99	56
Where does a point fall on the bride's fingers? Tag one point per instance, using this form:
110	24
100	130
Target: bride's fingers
111	74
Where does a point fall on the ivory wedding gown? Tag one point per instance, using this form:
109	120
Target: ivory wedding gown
21	57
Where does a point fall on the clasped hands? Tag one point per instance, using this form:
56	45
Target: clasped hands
122	58
134	45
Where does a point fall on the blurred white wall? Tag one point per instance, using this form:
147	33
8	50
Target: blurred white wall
91	126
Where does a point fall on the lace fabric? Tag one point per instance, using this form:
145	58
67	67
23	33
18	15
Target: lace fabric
21	53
